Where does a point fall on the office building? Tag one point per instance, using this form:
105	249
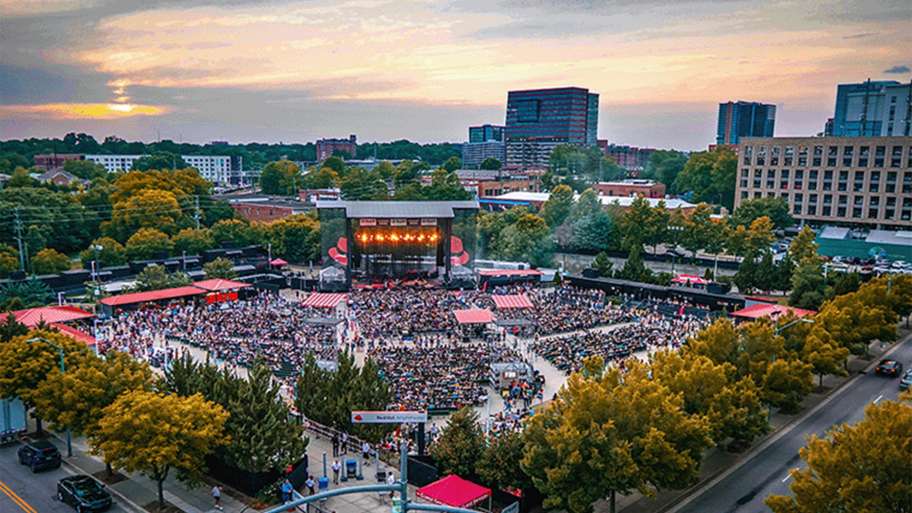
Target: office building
847	181
540	119
52	161
631	158
327	147
215	168
744	119
871	109
485	133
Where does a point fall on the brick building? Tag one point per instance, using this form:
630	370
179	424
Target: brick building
633	187
326	147
631	158
51	161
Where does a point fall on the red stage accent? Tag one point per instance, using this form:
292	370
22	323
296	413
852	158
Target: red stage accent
509	272
767	311
220	285
152	295
49	314
77	335
512	301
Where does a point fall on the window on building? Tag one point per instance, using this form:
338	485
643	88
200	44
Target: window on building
879	154
874	183
856	213
863	155
840	211
848	152
828	180
858	183
748	154
891	181
907	182
789	155
774	155
761	155
827	199
832	152
802	156
896	156
827	211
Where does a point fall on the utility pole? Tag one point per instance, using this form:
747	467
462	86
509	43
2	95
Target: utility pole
196	211
18	226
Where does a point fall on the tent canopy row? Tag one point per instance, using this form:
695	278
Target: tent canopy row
325	299
512	301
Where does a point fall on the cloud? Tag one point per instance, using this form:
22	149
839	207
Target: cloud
861	35
69	111
899	69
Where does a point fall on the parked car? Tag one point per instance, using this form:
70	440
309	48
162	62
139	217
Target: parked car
906	381
889	368
39	455
83	493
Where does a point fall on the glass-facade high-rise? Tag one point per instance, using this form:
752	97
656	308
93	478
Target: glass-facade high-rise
871	109
540	119
485	133
744	119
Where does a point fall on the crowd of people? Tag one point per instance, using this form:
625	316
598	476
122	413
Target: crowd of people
438	372
265	326
648	329
563	309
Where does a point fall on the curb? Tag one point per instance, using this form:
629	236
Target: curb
121	497
776	435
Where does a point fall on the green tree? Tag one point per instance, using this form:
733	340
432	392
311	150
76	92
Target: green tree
809	287
491	163
786	383
280	177
296	238
148	243
803	247
710	176
193	241
461	444
664	166
106	251
445	186
594	232
499	465
452	164
232	231
150	208
361	185
75	399
602	264
698	229
156	277
220	268
159	161
21	178
774	208
324	178
50	261
527	239
24	294
10	328
825	356
9	260
610	431
186	430
860	467
335	163
558	206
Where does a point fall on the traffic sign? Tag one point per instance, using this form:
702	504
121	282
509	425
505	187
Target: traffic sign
388	417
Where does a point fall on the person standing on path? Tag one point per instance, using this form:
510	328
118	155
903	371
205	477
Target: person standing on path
336	468
217	497
335	443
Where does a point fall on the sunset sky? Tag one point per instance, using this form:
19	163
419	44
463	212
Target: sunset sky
294	71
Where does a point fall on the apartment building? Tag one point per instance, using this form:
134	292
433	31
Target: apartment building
847	181
215	168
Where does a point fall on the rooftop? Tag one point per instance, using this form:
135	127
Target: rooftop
399	209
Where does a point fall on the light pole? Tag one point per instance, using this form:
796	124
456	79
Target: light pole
61	354
791	323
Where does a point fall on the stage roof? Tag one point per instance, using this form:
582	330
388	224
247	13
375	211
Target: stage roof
509	272
474	316
152	295
512	301
399	209
324	300
768	311
49	314
218	285
454	491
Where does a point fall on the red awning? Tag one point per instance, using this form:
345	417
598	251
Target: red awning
454	491
219	285
278	262
512	301
770	311
75	334
509	272
49	314
325	300
152	295
474	316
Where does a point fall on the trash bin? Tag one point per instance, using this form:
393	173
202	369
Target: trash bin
351	468
323	483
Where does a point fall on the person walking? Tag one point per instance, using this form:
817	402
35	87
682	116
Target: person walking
336	468
287	491
217	497
311	485
335	442
344	442
366	450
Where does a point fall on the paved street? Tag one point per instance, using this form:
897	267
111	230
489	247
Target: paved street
744	490
36	491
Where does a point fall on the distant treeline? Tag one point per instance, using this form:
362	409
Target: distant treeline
21	152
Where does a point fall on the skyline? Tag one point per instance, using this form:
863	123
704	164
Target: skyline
425	71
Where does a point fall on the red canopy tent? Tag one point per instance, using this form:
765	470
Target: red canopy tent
50	314
152	295
689	279
474	316
75	334
278	262
324	300
512	301
770	311
455	491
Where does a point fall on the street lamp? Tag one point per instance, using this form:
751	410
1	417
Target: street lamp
791	323
61	354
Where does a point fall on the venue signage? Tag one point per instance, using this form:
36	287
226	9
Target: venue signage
397	222
367	222
388	417
428	221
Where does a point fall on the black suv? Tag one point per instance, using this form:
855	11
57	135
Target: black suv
889	368
83	493
39	455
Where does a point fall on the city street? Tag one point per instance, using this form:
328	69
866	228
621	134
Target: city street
32	493
767	472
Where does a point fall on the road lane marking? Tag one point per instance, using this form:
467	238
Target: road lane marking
878	399
24	506
786	478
